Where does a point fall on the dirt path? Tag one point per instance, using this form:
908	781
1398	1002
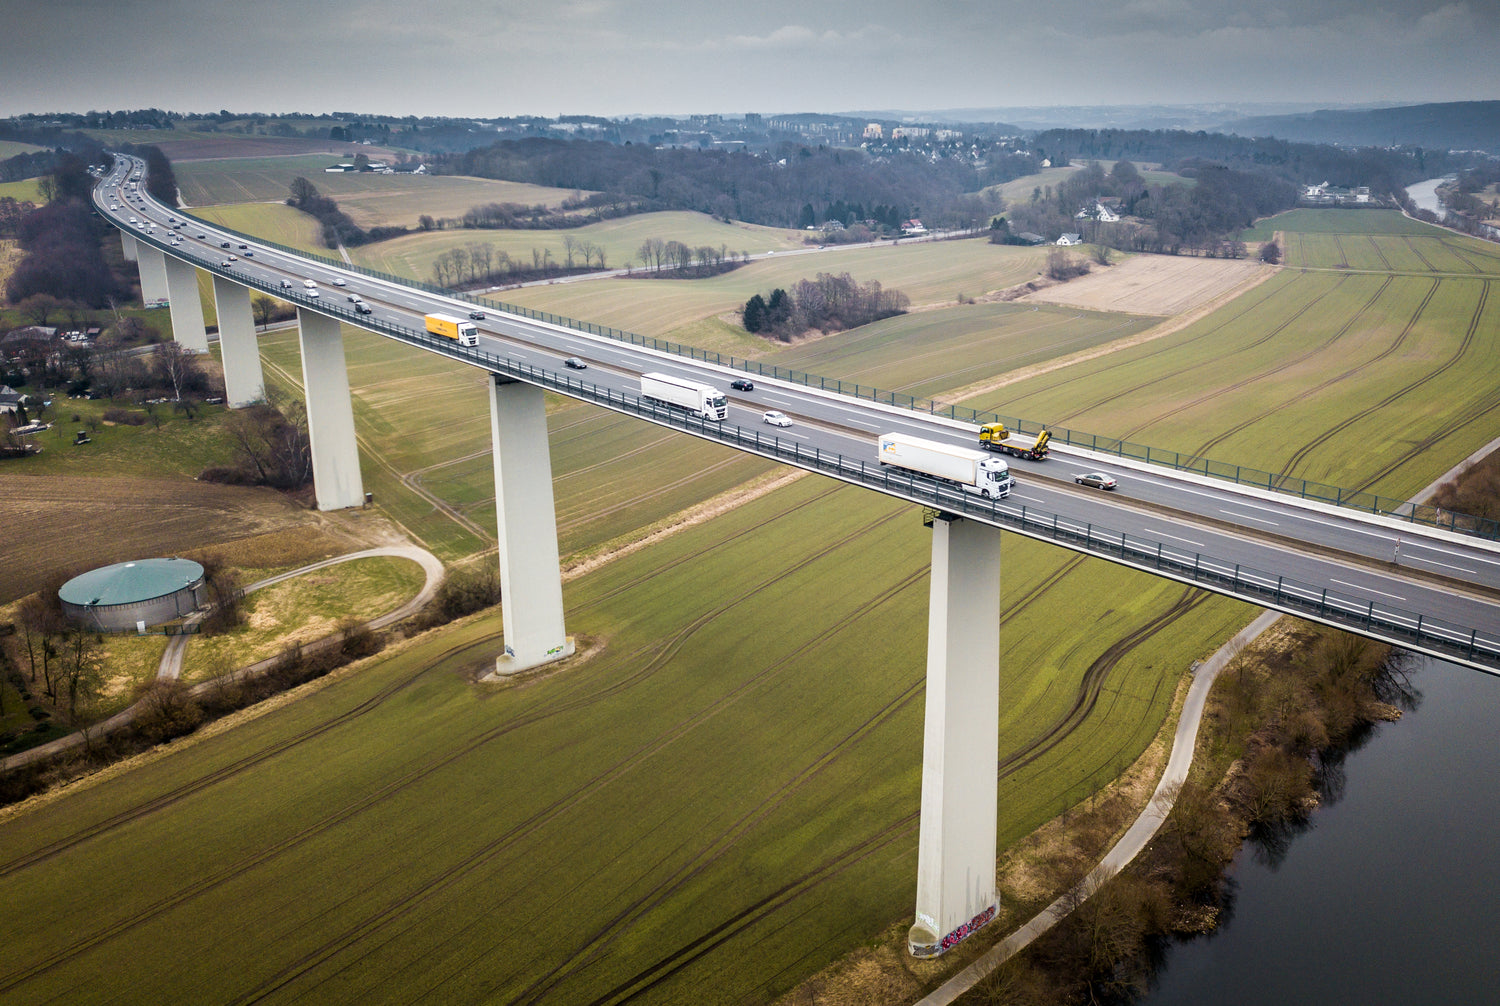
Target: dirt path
171	662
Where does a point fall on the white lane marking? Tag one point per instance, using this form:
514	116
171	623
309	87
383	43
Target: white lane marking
1245	516
1175	538
1372	590
1433	562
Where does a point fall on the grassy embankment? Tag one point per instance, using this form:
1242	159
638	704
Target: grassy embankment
750	734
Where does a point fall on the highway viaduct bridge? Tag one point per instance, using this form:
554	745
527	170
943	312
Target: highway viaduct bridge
1394	577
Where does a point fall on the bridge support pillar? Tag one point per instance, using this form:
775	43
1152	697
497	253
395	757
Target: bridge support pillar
961	741
153	269
244	381
530	580
127	245
187	307
330	412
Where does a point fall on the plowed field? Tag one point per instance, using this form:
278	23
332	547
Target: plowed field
59	522
1153	284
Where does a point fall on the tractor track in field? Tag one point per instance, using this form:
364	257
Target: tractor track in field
1343	262
659	653
609	933
1245	310
1263	375
659	490
1088	693
1468	340
1158	378
1092	682
1472	413
1396	344
1418	253
233	769
1378	252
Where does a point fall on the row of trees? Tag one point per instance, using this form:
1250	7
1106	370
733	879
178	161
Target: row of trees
828	303
64	257
338	227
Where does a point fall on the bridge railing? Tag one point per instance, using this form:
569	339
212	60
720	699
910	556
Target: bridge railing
1418	513
1244	582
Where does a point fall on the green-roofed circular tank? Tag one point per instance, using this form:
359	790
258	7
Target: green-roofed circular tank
128	594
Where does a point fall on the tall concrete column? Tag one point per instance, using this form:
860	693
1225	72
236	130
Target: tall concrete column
330	412
244	382
530	578
153	268
187	307
961	742
127	245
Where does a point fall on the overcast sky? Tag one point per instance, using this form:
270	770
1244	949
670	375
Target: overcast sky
619	57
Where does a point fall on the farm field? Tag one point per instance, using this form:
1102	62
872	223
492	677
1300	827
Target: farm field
367	197
88	521
26	191
1162	285
928	352
723	796
929	273
1018	190
1364	381
621	238
271	221
688	826
10	148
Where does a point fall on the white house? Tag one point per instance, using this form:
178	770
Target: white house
1070	239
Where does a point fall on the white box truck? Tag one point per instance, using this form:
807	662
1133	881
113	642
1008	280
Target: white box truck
971	470
700	399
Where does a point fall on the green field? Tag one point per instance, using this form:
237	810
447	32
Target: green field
723	797
271	221
26	191
413	255
10	148
928	273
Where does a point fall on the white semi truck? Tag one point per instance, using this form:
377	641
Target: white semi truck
700	399
972	471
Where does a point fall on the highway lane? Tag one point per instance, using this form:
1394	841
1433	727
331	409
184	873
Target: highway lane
1363	559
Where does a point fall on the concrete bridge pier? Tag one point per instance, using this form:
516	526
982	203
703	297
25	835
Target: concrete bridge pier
530	578
330	412
244	381
153	268
961	741
127	246
186	306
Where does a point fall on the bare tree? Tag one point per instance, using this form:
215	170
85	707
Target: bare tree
264	306
82	667
39	307
175	364
570	248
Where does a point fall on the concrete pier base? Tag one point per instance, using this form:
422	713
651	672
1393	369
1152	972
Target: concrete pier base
153	269
530	577
330	413
961	741
244	381
186	305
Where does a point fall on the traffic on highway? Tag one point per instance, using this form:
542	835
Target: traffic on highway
1350	561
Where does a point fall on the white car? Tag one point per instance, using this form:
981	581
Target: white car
338	282
776	418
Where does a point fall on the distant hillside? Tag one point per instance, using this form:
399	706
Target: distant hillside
1454	125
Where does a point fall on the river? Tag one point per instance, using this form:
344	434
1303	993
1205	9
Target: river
1392	895
1424	194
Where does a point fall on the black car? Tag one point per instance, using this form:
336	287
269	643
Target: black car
740	384
574	363
476	315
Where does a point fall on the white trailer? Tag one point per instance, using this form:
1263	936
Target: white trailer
700	399
971	470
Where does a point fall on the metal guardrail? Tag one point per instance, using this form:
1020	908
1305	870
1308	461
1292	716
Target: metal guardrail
1417	513
1398	625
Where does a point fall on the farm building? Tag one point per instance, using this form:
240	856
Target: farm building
123	596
